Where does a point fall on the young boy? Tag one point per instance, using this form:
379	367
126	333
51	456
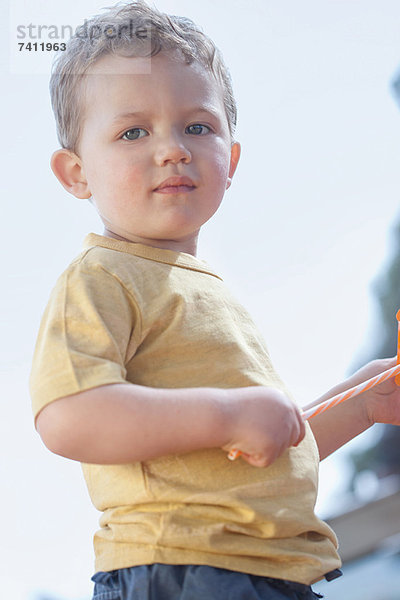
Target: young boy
146	369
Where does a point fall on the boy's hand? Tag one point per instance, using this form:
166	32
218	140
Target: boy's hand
341	423
263	423
382	402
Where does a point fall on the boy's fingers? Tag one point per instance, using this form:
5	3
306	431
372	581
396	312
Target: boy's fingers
298	437
300	431
262	460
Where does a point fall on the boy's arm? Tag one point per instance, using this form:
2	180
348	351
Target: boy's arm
122	423
340	424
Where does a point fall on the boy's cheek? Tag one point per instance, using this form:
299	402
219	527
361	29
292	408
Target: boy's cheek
114	175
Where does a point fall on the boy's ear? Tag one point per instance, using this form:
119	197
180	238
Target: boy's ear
235	155
67	167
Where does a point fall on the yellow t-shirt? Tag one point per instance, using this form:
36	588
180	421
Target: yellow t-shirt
128	312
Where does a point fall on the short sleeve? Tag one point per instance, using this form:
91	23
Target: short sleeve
88	332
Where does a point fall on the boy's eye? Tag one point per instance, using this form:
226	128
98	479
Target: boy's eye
198	129
134	134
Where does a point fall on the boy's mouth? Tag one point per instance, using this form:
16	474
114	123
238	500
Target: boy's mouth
175	185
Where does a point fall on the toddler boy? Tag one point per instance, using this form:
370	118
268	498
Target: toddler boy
146	370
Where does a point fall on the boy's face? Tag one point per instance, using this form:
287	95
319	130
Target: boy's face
138	131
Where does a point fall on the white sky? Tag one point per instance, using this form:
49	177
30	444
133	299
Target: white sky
302	232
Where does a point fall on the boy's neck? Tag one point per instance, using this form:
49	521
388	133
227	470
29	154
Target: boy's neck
188	246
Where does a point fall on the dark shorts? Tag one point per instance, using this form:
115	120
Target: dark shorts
193	582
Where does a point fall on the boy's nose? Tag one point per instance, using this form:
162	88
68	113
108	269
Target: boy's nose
172	150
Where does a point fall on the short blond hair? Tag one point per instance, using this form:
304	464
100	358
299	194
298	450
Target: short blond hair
111	33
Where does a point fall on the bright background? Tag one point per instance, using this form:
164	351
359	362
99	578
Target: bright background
303	231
